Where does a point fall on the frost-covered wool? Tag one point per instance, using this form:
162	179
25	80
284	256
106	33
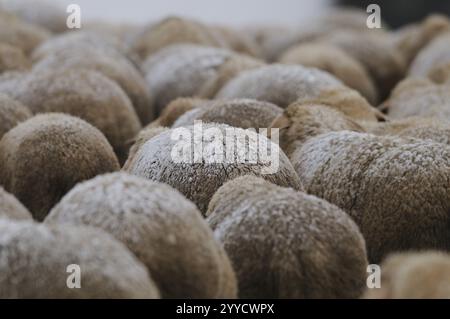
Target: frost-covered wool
20	34
175	109
243	113
412	38
11	208
12	58
419	97
227	71
44	157
160	226
335	61
182	71
46	14
11	113
374	50
218	163
287	244
173	30
114	66
300	122
431	128
419	275
35	259
397	190
86	94
283	85
434	60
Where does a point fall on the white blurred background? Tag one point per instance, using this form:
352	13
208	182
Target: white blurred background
232	12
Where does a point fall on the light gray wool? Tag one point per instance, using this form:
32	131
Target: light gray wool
11	113
219	160
160	226
397	190
83	93
116	67
181	71
35	259
287	244
415	275
243	113
11	208
44	157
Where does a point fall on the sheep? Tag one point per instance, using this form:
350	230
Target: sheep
396	189
243	113
238	41
412	38
300	122
175	109
416	275
11	208
287	244
86	94
285	84
164	230
434	60
45	14
11	113
173	30
20	34
45	156
113	65
12	58
431	128
335	61
418	97
188	70
383	61
36	261
217	153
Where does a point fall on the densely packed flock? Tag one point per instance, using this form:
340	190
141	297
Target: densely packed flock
88	177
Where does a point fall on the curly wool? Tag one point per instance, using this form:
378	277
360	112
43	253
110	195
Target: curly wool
34	259
417	275
397	190
85	94
12	113
243	113
287	244
160	226
300	122
199	180
335	61
11	208
44	157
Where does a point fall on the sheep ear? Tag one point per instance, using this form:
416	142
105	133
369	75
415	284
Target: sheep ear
281	121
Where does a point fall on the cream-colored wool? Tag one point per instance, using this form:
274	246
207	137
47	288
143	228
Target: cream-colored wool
283	85
335	61
198	180
418	275
12	58
44	157
11	208
35	259
243	113
160	226
287	244
11	113
86	94
396	189
300	122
